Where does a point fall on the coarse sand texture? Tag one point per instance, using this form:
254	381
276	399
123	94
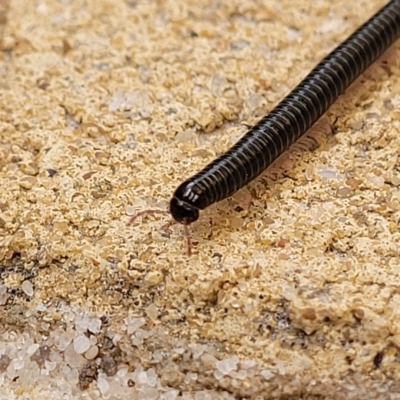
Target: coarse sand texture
293	287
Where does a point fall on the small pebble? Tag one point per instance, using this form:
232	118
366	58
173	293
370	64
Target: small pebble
91	354
27	288
103	384
152	311
4	362
108	365
227	365
81	344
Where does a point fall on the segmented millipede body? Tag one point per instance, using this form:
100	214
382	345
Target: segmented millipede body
290	119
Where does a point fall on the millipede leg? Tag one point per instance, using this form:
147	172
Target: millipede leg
146	212
188	240
166	226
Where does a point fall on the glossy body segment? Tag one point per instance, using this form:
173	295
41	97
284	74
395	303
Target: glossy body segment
290	119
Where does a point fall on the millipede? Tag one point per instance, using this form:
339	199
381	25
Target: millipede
288	121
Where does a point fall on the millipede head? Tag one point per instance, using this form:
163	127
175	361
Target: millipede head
182	212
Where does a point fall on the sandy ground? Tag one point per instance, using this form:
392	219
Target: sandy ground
292	290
